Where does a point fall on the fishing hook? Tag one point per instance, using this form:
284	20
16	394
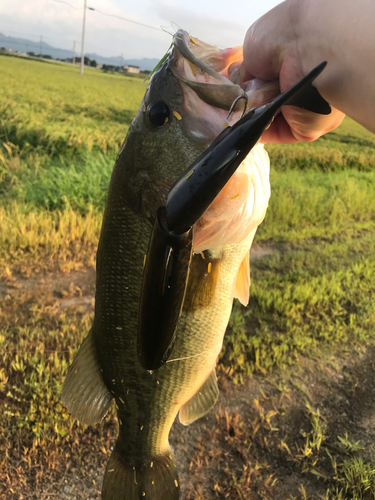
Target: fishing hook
245	98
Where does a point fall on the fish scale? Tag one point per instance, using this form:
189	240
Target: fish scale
107	366
198	333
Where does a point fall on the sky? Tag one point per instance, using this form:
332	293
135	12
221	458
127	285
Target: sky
217	22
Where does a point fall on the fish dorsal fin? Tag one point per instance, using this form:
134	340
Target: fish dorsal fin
202	402
84	392
242	288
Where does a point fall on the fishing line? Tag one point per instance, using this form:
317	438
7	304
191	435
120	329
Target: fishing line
189	357
164	28
175	24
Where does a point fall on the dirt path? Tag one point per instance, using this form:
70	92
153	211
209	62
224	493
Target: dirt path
60	286
210	452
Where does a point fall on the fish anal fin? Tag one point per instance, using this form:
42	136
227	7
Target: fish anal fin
155	479
84	392
202	402
242	287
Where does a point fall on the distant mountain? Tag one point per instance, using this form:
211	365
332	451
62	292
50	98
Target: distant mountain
145	63
24	45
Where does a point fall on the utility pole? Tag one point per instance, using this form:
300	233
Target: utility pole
83	36
41	45
74	53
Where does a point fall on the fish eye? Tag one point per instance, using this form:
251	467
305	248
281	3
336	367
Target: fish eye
158	113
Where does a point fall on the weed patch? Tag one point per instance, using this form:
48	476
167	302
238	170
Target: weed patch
59	136
302	300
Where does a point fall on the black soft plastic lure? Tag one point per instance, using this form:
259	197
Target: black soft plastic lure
169	254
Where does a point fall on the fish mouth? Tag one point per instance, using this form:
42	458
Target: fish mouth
209	79
205	69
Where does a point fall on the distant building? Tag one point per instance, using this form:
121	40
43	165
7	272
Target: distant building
86	60
132	69
11	51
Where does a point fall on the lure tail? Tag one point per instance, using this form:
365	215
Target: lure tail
156	479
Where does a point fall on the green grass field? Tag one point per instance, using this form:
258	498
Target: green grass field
59	135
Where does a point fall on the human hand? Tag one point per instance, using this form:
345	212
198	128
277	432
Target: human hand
273	51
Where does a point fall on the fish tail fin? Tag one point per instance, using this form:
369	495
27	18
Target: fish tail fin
156	479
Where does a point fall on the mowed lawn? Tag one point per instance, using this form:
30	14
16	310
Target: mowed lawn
59	136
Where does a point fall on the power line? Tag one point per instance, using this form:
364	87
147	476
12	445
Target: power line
26	42
124	19
112	15
70	5
85	8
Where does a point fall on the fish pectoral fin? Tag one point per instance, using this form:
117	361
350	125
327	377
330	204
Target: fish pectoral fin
242	287
202	402
84	392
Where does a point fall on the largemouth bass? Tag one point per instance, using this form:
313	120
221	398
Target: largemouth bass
184	109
